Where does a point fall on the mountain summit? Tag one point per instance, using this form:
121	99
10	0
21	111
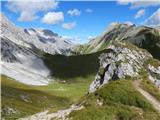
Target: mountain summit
141	36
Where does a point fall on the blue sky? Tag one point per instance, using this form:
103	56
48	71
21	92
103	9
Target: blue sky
81	19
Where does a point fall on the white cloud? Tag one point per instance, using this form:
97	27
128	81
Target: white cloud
90	37
73	39
89	10
28	9
139	3
69	26
129	23
154	19
53	18
140	13
74	12
27	16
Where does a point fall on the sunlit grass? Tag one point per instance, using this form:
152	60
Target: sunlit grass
151	88
57	95
121	101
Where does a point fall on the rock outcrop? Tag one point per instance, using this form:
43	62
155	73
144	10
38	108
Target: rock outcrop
123	60
154	72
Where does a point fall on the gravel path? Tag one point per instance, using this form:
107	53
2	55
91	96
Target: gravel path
148	96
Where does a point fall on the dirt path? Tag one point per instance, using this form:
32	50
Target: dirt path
148	96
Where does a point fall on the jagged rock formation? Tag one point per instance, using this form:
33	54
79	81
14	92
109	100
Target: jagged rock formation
153	69
52	42
123	60
41	39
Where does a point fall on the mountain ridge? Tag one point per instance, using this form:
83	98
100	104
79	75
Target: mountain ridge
141	36
34	39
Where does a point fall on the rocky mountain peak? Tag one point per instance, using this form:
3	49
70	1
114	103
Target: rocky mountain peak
41	39
117	24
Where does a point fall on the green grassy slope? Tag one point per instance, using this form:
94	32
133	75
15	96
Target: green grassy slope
72	77
120	102
151	88
27	100
89	48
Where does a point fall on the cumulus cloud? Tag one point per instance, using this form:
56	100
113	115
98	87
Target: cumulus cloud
73	39
91	37
89	10
69	26
28	9
139	3
140	13
154	19
74	12
53	18
128	23
26	16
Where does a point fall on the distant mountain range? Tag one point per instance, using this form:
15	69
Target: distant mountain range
22	51
41	39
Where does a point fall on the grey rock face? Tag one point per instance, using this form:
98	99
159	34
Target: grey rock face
154	74
119	62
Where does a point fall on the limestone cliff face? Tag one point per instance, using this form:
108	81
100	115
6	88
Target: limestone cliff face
123	60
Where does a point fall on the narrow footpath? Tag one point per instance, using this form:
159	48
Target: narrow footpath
148	96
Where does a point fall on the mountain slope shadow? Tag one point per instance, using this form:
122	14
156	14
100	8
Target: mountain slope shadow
73	66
